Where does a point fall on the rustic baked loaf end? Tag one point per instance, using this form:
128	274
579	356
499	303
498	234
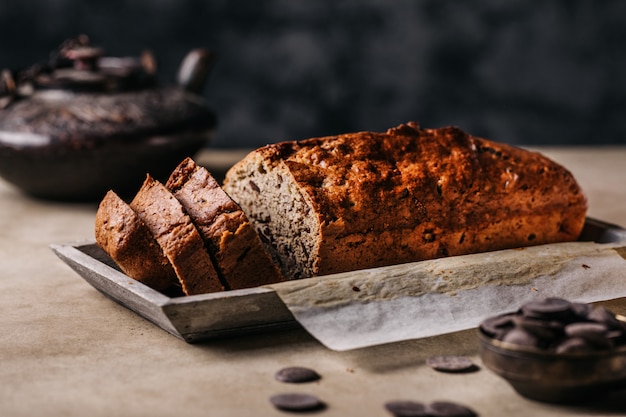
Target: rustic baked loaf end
367	199
128	241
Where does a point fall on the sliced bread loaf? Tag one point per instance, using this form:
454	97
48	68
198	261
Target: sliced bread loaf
128	241
233	244
178	237
366	199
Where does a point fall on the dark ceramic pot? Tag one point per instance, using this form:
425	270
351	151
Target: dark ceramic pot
83	124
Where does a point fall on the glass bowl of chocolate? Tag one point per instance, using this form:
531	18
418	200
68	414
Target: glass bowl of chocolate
557	351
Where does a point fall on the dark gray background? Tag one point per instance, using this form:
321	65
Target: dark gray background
523	72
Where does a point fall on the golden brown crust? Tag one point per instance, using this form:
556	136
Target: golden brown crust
177	236
232	242
412	194
127	240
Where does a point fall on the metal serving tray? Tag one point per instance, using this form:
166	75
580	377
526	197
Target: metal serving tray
201	317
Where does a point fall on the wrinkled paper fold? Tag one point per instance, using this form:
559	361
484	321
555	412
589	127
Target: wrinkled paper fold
409	301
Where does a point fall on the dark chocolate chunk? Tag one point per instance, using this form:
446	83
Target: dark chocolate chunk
586	330
451	363
544	329
574	345
449	409
521	337
497	326
296	402
603	315
404	408
297	374
615	334
594	333
581	310
549	308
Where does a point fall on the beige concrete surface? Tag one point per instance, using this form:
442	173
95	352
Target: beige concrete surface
67	350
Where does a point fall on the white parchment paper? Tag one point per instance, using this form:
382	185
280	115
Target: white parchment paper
401	302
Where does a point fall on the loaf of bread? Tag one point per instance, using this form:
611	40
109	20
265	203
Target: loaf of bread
232	242
319	206
363	200
129	242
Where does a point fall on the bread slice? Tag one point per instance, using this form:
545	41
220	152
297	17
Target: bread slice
128	241
366	199
233	244
178	237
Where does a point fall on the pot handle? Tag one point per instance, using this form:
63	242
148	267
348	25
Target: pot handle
194	70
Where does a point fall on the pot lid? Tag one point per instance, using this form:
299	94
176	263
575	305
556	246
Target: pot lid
82	94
